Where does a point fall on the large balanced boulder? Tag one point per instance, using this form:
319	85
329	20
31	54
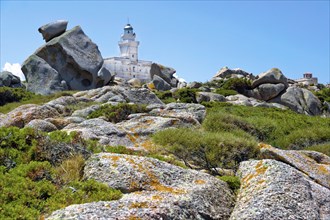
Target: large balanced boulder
271	189
272	76
157	190
69	61
10	80
54	29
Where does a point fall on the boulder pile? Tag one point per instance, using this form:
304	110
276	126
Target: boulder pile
68	61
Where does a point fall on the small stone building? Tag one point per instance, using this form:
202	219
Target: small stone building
308	80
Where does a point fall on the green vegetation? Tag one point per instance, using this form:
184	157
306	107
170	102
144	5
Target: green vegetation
232	181
8	95
229	135
32	184
208	150
117	113
283	129
323	94
226	92
12	98
165	96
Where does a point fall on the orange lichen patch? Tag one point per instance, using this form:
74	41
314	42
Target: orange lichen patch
133	217
139	205
260	170
148	145
263	145
323	169
200	182
157	197
160	187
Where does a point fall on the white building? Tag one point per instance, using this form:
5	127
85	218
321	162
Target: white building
308	80
128	66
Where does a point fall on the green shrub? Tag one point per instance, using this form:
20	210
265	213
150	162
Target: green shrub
280	128
323	94
117	113
237	84
186	95
226	92
206	149
233	182
31	187
8	94
165	96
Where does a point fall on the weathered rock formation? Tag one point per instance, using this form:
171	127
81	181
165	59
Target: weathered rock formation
162	77
291	185
54	29
157	190
68	60
10	80
225	72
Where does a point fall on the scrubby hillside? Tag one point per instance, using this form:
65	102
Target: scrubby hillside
101	144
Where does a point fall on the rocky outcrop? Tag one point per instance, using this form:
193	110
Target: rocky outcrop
120	94
188	112
300	100
266	91
160	191
225	72
209	97
160	84
271	189
41	125
246	101
272	76
314	164
54	29
162	78
22	115
68	61
10	80
105	132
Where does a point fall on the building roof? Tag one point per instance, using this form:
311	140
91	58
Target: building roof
128	27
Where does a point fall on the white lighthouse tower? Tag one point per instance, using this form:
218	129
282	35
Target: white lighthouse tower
127	65
128	46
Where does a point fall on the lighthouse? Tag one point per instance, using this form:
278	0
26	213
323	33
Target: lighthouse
128	45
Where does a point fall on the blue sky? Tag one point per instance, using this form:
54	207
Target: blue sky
196	38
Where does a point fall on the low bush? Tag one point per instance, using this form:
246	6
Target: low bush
226	92
281	128
117	113
207	150
185	95
323	94
36	179
233	182
165	96
8	95
237	84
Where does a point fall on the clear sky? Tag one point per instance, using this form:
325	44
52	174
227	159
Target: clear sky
196	38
